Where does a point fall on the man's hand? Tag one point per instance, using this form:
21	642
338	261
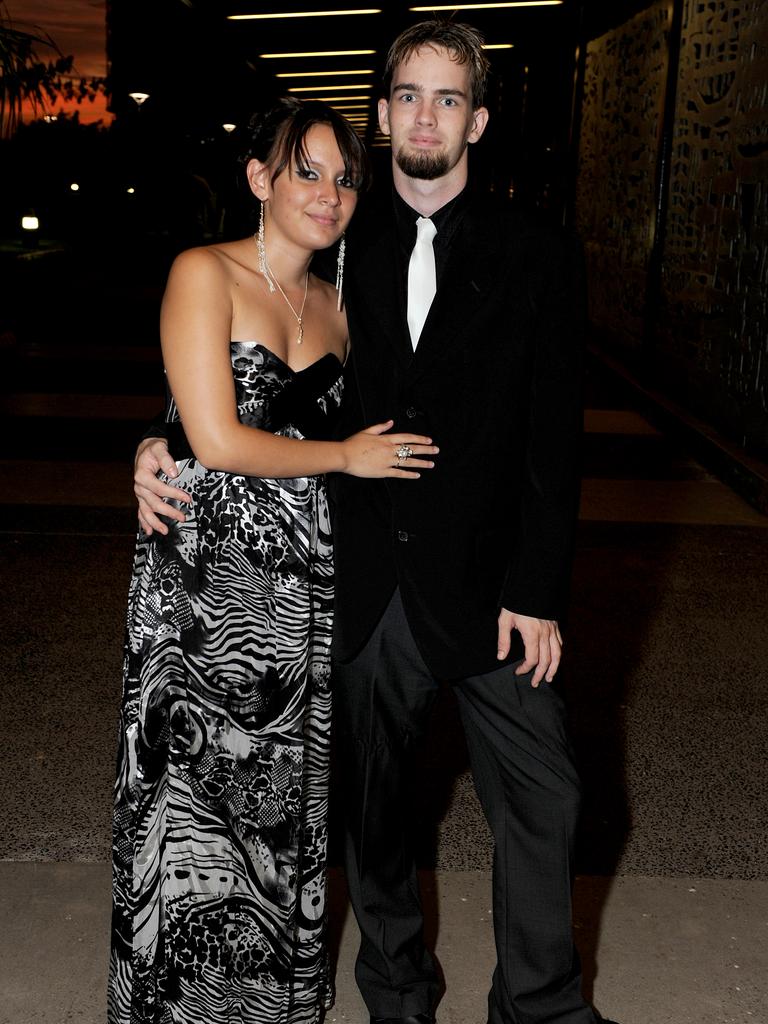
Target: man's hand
543	644
152	456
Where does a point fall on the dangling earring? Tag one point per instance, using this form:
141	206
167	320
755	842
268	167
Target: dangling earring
263	268
340	270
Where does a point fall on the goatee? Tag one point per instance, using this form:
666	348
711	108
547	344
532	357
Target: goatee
425	166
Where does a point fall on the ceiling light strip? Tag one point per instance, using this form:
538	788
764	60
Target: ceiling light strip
318	53
338	88
327	99
301	14
321	74
488	7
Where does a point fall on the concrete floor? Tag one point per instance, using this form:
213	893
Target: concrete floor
667	679
655	950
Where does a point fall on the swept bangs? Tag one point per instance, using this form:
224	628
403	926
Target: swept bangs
278	138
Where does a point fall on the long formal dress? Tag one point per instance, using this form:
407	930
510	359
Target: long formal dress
221	793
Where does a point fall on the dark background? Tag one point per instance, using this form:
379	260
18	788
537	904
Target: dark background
642	124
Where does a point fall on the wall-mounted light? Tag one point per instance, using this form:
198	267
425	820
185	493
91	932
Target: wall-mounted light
74	187
30	223
130	190
139	98
229	127
301	14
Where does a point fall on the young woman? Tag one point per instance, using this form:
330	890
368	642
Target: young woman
221	796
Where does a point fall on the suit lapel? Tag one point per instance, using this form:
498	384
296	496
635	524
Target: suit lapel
380	292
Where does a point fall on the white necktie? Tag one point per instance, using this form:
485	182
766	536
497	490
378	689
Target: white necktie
422	281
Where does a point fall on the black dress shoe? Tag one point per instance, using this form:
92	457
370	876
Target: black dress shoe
419	1018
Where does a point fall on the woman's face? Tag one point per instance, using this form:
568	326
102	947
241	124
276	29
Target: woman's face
309	206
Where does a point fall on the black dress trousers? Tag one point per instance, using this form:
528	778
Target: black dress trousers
529	789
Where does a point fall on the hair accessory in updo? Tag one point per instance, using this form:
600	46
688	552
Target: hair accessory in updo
264	125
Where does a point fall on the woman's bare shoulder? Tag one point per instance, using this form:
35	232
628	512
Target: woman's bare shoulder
197	266
218	261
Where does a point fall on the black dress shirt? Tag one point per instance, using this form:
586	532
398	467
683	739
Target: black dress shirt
446	221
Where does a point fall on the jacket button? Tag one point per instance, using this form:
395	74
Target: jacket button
402	535
411	412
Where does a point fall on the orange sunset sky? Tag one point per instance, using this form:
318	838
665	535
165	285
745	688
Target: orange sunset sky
77	27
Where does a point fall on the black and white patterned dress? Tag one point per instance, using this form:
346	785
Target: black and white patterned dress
221	794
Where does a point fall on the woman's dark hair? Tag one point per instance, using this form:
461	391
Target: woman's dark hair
277	137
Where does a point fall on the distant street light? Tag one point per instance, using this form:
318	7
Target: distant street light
130	190
74	187
228	127
139	97
31	226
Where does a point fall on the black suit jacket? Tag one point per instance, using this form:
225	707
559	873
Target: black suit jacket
496	382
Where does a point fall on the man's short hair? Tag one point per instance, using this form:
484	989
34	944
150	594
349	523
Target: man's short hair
463	41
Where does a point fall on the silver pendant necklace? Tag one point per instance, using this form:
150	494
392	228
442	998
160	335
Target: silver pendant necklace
300	315
266	272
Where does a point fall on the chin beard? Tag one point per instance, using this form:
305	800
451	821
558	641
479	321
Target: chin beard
425	165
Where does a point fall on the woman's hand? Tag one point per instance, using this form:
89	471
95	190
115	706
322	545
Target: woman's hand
374	453
151	458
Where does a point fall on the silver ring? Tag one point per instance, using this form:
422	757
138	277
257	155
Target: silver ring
403	452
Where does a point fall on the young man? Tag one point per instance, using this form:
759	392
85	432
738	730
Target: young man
465	324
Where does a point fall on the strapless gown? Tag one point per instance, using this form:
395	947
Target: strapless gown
221	794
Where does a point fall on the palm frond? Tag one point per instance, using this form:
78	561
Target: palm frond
25	75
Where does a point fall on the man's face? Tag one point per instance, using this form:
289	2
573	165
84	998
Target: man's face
429	115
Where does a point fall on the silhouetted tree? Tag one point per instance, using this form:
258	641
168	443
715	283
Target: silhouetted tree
24	75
